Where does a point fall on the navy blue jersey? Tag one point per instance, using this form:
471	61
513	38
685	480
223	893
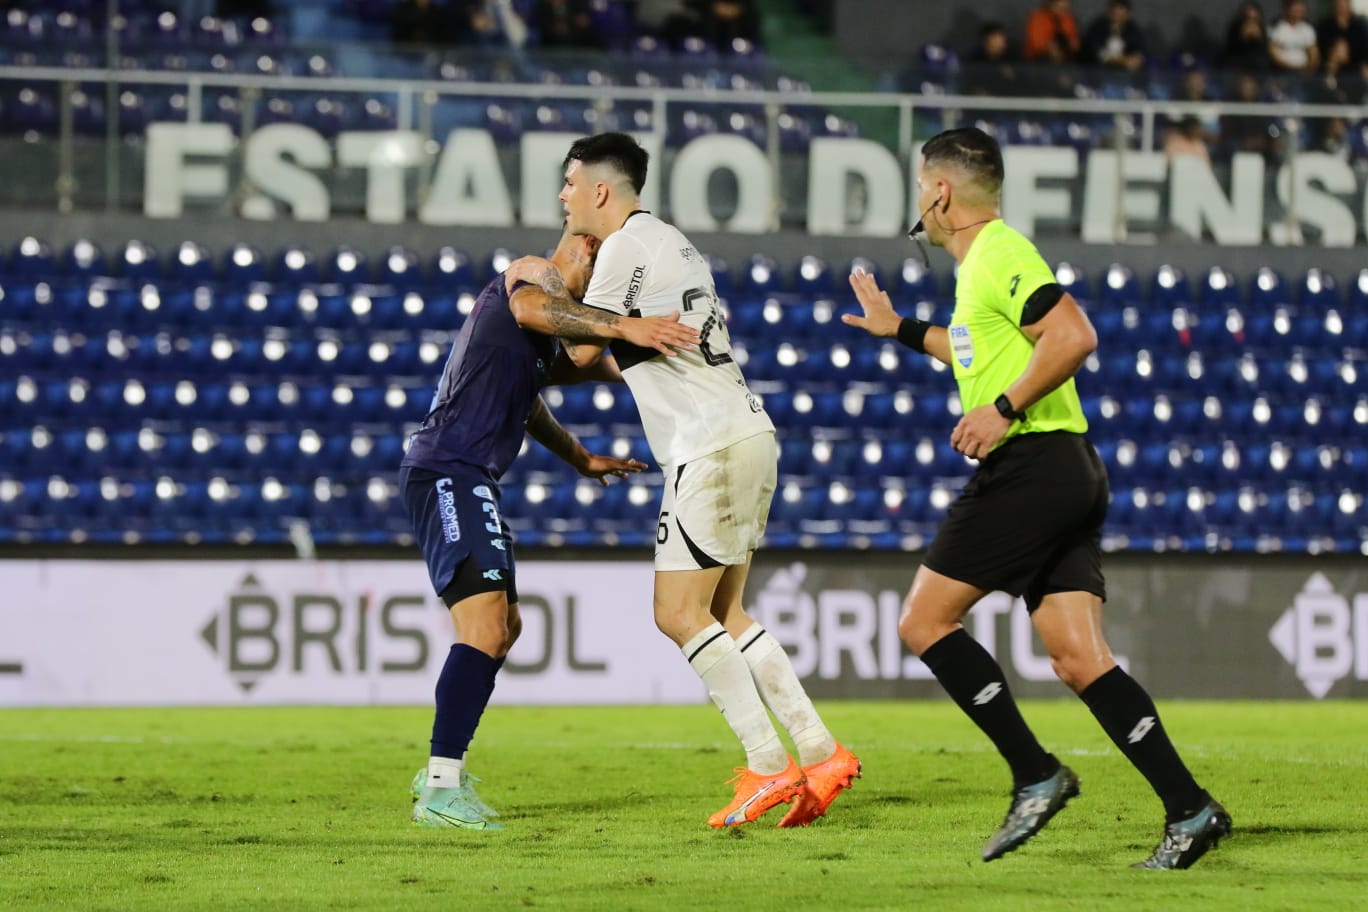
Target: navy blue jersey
478	414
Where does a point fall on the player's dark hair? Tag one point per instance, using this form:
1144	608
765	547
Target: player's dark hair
618	150
971	150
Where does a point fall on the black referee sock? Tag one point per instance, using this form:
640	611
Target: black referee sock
1129	718
975	681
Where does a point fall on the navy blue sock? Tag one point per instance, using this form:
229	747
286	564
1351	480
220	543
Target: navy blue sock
463	690
975	681
1128	716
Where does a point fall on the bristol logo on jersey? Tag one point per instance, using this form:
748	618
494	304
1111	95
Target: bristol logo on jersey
962	344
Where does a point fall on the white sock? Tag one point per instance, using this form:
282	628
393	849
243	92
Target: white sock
783	693
715	658
444	772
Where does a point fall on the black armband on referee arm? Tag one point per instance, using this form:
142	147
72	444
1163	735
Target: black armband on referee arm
912	333
1041	301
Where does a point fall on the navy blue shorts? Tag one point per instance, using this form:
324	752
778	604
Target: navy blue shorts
460	529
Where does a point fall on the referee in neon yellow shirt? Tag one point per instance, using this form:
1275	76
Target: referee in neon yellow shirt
1029	521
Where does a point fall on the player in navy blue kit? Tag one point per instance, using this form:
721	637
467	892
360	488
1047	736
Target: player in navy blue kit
487	399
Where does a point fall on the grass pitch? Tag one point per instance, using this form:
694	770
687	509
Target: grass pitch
306	808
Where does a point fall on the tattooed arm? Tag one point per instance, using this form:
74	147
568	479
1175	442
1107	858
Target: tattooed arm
547	431
549	308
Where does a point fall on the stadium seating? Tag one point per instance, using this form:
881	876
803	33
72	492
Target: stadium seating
182	396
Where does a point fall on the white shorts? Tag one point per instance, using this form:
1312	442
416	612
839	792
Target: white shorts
715	507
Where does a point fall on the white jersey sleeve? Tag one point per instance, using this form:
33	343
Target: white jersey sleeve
697	402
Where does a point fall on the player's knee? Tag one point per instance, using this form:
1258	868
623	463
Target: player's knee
1074	670
915	633
679	622
489	635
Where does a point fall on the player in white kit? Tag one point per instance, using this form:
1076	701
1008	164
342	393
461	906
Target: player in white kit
716	445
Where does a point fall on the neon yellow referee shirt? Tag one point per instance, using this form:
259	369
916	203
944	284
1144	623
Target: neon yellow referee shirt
988	350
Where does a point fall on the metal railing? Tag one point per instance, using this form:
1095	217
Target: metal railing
65	163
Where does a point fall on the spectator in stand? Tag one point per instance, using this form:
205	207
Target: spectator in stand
724	21
1340	81
1051	34
990	69
1343	23
565	24
1243	133
423	22
243	9
1114	39
1292	40
1332	138
1187	138
1246	45
669	21
1195	87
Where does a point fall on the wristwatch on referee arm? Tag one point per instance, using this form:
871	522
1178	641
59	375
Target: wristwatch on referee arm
1007	410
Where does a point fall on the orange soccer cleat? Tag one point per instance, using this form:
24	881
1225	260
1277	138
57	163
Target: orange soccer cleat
756	794
825	781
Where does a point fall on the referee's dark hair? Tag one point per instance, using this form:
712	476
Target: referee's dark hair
619	150
971	150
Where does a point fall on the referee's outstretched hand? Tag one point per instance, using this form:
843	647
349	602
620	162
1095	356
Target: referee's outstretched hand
880	319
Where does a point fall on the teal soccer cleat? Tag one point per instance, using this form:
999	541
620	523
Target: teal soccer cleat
466	788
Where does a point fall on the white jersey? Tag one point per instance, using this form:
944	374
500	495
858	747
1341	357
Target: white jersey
697	402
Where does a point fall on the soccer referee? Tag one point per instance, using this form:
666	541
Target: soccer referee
1029	521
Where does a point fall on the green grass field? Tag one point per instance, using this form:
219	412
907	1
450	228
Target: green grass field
306	808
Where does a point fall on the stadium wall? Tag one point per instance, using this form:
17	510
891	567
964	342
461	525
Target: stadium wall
243	631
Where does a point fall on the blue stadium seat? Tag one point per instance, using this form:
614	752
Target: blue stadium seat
814	276
1170	288
914	281
1319	290
1218	291
295	265
31	258
1071	279
83	259
451	268
346	265
399	267
139	261
191	264
1119	286
1269	289
243	264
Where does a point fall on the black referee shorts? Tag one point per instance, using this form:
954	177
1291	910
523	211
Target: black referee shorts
1029	522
